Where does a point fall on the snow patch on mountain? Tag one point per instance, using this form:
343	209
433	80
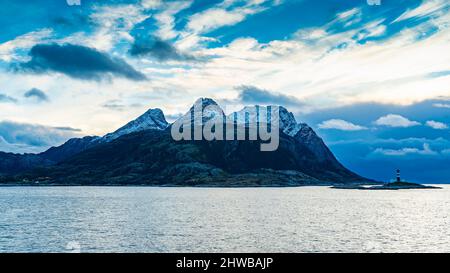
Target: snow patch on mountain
209	111
251	114
152	119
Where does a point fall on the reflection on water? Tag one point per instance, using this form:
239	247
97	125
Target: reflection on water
144	219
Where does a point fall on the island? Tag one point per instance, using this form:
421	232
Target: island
387	186
397	185
144	152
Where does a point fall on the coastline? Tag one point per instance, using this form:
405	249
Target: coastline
350	186
173	185
389	186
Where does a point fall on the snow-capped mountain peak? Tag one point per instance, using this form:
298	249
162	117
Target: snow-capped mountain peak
209	110
288	122
250	114
152	119
205	102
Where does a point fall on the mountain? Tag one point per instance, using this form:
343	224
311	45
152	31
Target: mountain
152	119
139	156
288	124
16	163
209	111
70	148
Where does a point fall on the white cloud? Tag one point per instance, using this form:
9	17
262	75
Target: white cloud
151	4
406	151
114	26
340	124
427	8
345	15
354	74
392	120
116	22
349	17
223	15
215	17
166	19
441	105
26	41
308	66
436	125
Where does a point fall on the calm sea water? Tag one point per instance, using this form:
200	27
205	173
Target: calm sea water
144	219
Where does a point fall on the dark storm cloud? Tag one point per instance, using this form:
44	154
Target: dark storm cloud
78	62
255	95
115	105
119	105
36	93
160	50
25	137
68	129
6	98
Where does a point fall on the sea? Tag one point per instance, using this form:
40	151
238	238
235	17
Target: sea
182	219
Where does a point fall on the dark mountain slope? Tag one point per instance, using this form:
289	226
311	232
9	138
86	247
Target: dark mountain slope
71	147
16	163
152	157
143	152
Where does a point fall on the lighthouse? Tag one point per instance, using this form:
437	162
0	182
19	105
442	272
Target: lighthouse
398	176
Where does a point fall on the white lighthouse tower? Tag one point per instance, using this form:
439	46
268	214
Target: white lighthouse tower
398	176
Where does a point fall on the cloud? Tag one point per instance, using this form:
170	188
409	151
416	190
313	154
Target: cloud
286	65
392	120
225	14
26	41
78	62
173	117
115	105
6	98
442	105
214	18
119	105
437	74
166	18
406	151
349	17
15	148
114	23
405	154
24	137
254	95
36	93
340	124
151	4
436	125
68	129
160	50
426	9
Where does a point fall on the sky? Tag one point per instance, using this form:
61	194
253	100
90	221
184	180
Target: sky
372	80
